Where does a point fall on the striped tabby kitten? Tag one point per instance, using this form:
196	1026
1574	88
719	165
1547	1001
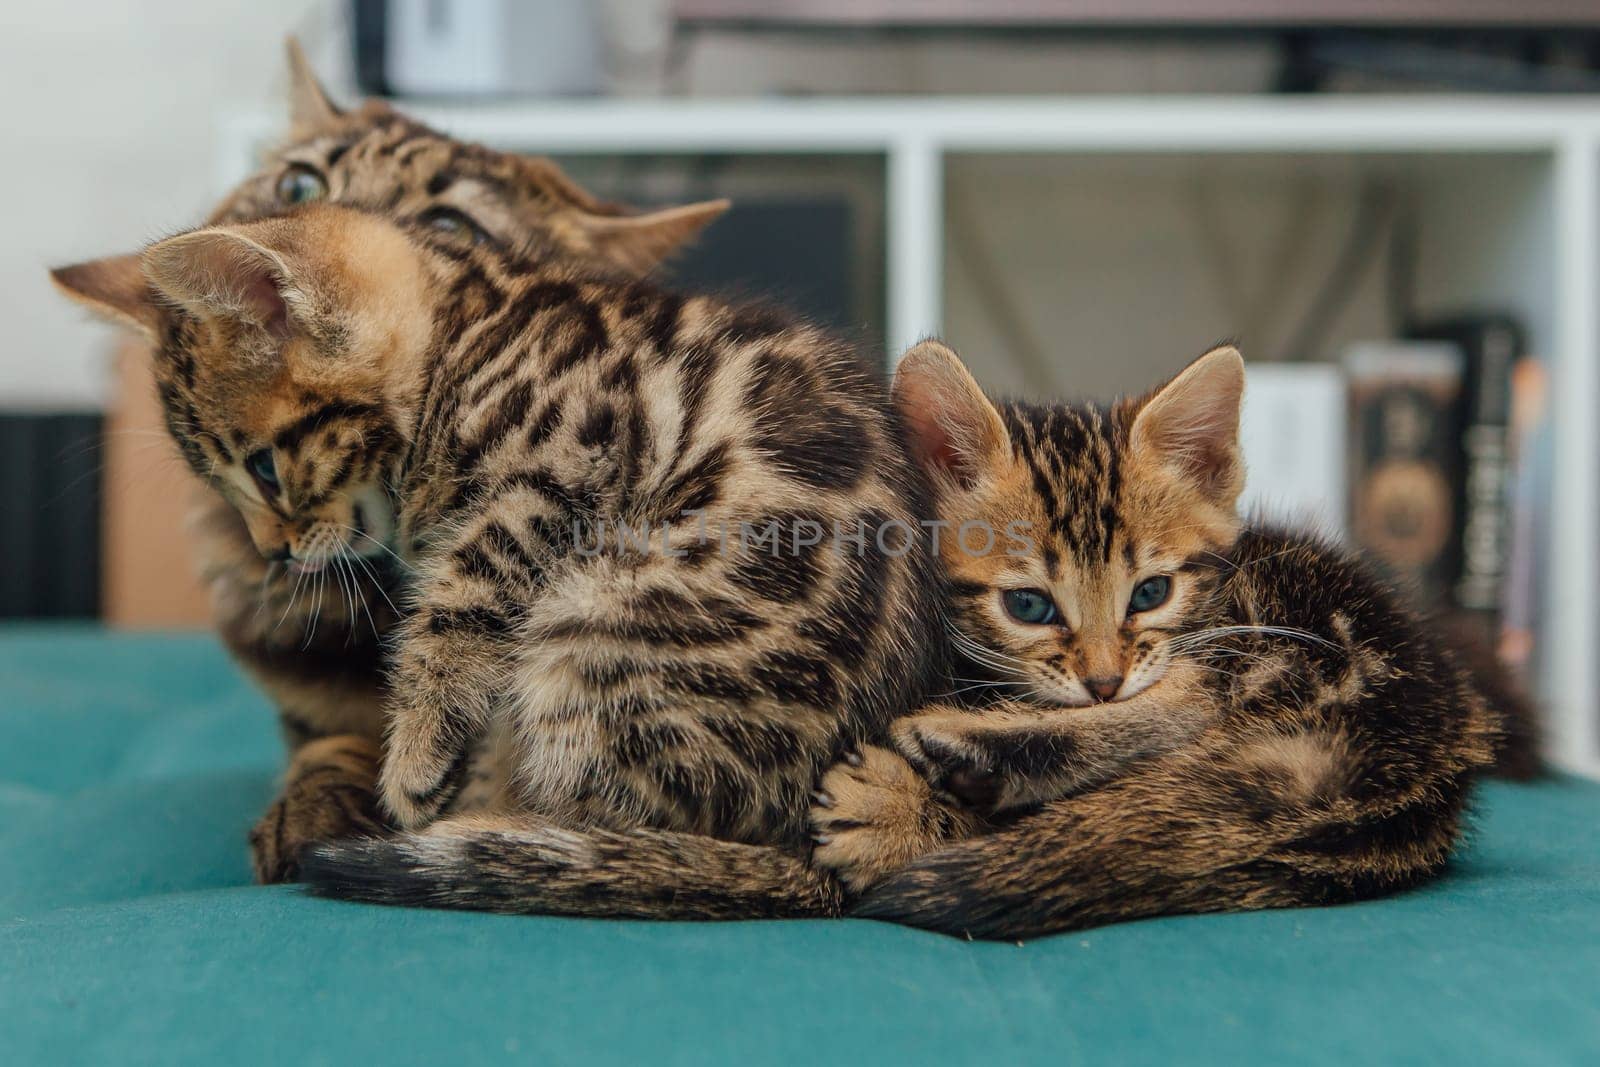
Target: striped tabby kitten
307	619
582	718
1213	716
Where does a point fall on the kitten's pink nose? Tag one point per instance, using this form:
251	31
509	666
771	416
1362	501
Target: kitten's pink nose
1105	687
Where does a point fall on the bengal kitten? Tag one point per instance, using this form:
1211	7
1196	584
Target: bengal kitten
310	627
663	553
1212	715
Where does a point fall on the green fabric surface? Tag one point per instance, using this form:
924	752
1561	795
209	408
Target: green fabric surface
131	768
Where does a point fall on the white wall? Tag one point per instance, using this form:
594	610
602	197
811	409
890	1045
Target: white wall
109	110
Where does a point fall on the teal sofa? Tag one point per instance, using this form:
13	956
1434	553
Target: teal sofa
131	767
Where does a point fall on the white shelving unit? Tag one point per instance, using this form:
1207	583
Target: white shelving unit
1549	229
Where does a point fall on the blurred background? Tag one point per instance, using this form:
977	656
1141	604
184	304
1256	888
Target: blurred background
1391	207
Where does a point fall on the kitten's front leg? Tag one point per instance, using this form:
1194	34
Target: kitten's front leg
450	670
1011	755
329	792
874	814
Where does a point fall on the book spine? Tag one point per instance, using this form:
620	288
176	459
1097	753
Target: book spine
1529	492
1486	466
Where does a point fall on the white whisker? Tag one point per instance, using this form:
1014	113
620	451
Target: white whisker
261	595
982	654
335	564
294	594
363	535
357	596
377	583
972	687
1201	636
316	610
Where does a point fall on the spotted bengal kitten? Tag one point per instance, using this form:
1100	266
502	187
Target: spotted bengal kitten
308	618
579	719
1162	710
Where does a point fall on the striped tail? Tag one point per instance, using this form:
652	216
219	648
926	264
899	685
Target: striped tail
1183	839
522	864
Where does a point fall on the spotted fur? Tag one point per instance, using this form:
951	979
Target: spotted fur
1278	731
314	641
683	690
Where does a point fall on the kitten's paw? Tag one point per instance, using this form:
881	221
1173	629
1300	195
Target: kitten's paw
950	748
872	815
330	792
420	779
272	848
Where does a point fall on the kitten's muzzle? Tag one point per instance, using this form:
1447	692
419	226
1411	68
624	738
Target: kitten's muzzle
1103	687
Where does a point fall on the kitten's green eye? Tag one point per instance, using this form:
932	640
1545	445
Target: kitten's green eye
453	223
1030	606
301	184
263	469
1150	593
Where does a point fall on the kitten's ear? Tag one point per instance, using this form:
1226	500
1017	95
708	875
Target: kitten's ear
114	288
219	272
309	106
1192	423
955	432
639	242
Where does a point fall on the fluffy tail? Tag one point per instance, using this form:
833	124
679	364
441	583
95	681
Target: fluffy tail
1517	755
525	865
1182	836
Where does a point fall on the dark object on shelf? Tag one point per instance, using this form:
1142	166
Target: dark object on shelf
1534	46
369	28
1405	459
1490	345
50	524
1520	60
796	253
1145	14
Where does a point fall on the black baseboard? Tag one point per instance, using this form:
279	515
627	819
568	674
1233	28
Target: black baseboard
50	493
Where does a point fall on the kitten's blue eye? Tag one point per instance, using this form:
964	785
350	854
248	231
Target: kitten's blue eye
300	184
1150	593
263	469
1030	606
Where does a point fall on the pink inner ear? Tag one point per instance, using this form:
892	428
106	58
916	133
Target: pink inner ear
218	273
929	440
261	295
936	449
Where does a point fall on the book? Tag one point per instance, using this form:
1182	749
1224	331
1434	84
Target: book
1522	594
1293	430
1490	347
1404	459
